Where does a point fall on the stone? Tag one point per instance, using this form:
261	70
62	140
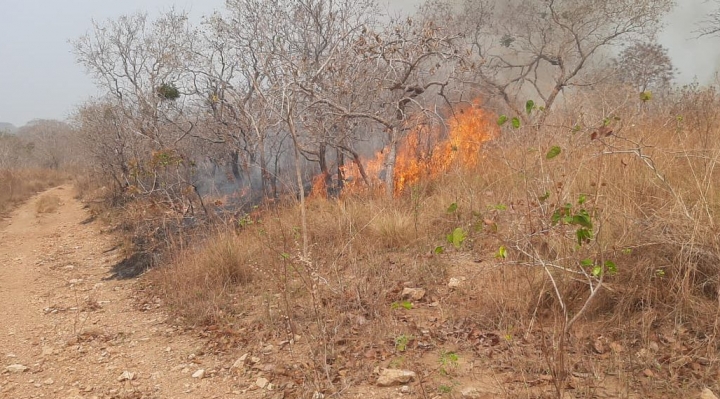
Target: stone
240	363
16	368
454	282
474	393
405	389
261	382
200	374
392	377
49	381
707	394
126	376
414	294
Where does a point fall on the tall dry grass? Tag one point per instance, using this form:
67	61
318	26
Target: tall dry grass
17	186
650	186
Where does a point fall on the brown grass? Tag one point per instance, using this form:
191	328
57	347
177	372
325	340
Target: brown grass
652	190
47	204
17	186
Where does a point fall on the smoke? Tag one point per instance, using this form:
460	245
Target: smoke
695	58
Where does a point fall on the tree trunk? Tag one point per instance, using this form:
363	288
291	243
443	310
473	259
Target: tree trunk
340	176
235	164
390	160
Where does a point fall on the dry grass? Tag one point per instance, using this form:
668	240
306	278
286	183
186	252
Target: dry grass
202	284
652	191
47	204
17	186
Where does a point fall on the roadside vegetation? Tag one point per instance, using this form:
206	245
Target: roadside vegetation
519	188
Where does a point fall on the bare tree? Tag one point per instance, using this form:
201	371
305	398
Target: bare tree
645	66
710	26
529	49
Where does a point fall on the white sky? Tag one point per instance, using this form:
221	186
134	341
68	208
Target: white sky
40	79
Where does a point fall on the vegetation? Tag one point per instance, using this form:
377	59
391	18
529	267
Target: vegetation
556	206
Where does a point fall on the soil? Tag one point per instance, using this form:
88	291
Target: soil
79	332
70	328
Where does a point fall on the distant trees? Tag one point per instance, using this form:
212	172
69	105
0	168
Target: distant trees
645	66
540	48
710	26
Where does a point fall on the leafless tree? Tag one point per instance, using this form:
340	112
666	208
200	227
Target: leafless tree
537	49
645	66
710	26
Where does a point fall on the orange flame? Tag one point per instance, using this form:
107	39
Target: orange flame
428	152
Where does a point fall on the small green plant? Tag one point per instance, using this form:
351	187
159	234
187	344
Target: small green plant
448	361
501	253
576	216
407	305
457	237
445	389
402	341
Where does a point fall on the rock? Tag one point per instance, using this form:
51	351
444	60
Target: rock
261	382
268	349
16	368
474	393
391	377
707	394
240	363
405	389
648	373
414	294
126	376
200	374
454	282
49	381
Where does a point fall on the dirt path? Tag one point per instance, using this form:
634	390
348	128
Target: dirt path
67	332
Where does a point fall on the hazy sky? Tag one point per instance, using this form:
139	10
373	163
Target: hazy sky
40	79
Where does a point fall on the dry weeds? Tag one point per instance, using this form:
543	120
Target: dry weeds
650	186
17	186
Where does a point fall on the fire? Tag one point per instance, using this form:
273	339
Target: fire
426	152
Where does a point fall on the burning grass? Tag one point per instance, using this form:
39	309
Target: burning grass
649	188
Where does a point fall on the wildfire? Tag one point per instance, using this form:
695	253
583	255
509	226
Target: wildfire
425	152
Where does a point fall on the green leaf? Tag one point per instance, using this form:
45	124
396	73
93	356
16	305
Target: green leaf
583	236
502	119
529	106
557	215
439	250
452	208
582	218
587	262
457	237
597	271
554	152
611	267
606	122
582	199
516	122
501	253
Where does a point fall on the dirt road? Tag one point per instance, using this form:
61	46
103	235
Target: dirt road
66	331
